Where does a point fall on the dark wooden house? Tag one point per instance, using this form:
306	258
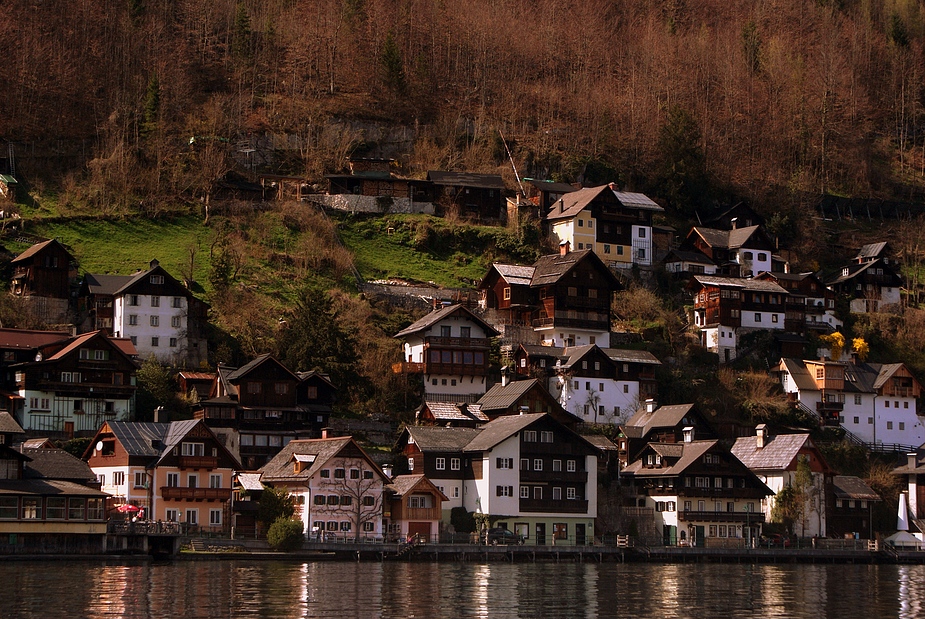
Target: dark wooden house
479	197
45	269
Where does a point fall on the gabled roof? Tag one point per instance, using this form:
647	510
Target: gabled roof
850	487
573	354
601	442
322	450
871	250
435	317
8	424
690	453
798	373
662	417
855	269
433	438
725	239
501	429
886	371
501	397
405	484
778	453
466	179
572	203
250	481
105	284
38	247
551	268
246	369
153	440
56	464
688	256
514	274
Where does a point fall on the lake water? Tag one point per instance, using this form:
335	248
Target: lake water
343	590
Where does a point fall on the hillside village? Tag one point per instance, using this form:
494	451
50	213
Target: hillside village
535	417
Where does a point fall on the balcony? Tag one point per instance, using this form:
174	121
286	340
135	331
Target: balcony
586	302
198	462
172	493
574	477
407	367
831	407
565	506
705	516
417	513
458	342
576	323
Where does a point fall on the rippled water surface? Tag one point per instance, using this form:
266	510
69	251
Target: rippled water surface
343	590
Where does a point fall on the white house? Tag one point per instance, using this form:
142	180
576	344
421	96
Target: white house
338	488
874	401
450	348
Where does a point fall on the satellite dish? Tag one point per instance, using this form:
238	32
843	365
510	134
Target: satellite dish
99	445
38	356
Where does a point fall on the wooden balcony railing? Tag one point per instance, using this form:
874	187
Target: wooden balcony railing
198	462
172	493
706	516
458	342
564	506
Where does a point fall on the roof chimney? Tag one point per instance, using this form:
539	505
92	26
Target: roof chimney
733	222
504	371
564	248
325	432
651	405
613	187
912	460
159	415
688	434
761	434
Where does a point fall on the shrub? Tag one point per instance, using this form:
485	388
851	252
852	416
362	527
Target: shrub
285	535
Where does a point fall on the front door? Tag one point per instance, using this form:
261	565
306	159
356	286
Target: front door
698	537
540	533
579	534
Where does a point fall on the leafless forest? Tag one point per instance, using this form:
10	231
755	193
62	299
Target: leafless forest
745	96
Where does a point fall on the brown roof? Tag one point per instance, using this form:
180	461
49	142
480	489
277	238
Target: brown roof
403	484
321	450
662	417
56	464
432	438
451	411
8	424
36	249
26	339
850	487
690	453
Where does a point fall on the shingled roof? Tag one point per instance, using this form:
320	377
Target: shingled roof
433	438
690	453
316	453
434	317
778	452
662	417
56	464
851	487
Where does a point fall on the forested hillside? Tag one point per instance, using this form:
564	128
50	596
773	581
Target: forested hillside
688	100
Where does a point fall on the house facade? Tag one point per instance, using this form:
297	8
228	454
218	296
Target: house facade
776	460
49	504
256	409
740	252
152	309
616	225
875	402
870	286
700	493
537	476
413	509
176	472
73	385
339	491
809	306
660	424
43	275
450	347
598	385
479	197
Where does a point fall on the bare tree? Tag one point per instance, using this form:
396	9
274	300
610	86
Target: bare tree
360	489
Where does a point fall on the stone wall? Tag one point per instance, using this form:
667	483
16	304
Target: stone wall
372	204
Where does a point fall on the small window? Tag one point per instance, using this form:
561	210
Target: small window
155	301
440	464
155	342
176	302
454	464
157	279
155	321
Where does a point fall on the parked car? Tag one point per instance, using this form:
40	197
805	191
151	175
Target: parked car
503	536
775	540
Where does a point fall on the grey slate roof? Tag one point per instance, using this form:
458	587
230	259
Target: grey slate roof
149	439
514	273
778	452
8	424
726	239
871	250
56	464
105	284
850	487
745	284
434	317
432	438
690	453
500	429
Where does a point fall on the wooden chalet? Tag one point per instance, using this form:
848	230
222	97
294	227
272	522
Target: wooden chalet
258	408
740	252
475	196
523	396
413	509
44	270
661	424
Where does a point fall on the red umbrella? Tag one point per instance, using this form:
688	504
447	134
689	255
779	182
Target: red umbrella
127	508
